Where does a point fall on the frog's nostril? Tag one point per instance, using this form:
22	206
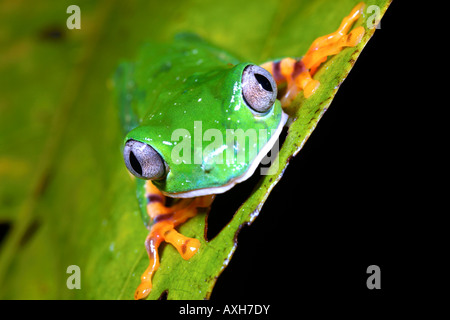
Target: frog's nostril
143	161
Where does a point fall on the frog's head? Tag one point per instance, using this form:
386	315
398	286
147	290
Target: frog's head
209	131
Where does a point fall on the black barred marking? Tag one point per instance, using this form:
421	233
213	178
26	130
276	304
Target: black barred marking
184	246
276	72
154	198
162	217
299	67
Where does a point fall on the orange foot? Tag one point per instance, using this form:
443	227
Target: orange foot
297	73
165	220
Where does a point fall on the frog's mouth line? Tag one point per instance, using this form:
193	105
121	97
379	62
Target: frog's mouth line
251	170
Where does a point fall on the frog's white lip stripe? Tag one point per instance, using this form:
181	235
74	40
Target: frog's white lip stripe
245	176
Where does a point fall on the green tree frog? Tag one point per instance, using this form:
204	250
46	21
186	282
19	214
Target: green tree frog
186	106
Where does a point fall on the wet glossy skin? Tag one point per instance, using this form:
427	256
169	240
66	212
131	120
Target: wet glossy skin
180	91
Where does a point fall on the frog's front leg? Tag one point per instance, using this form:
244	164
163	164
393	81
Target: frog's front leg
297	73
165	220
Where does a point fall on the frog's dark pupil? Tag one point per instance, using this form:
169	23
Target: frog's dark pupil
135	164
264	82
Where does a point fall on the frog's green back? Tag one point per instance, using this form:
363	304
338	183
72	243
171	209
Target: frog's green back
139	84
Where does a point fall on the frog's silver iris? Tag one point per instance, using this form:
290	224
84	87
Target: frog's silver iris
258	88
143	161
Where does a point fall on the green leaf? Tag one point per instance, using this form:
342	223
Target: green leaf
65	192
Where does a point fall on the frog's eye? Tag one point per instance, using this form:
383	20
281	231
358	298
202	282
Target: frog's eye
143	161
258	88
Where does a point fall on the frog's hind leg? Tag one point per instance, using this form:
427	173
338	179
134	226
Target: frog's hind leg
165	219
297	73
333	43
